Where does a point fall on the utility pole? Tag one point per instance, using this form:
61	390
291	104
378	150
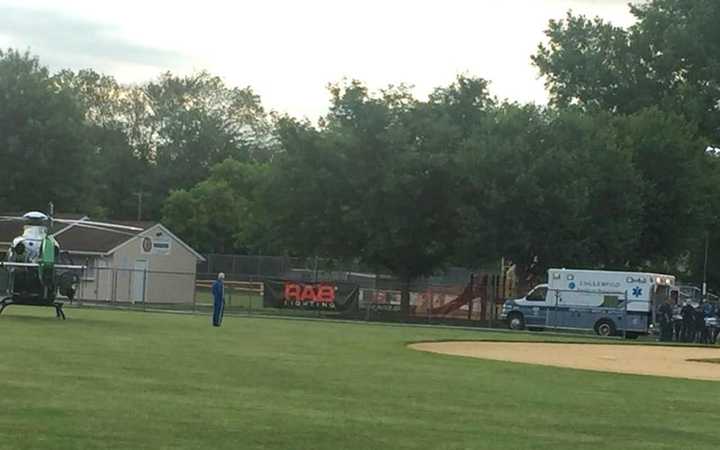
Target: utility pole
139	195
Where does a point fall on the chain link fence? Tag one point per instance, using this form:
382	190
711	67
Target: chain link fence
259	267
431	299
476	301
375	298
370	297
456	297
129	287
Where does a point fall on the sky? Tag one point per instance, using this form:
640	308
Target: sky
288	51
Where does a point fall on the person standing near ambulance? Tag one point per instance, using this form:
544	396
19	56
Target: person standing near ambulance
688	320
218	291
665	314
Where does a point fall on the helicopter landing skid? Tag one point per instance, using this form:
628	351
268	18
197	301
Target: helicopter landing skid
59	313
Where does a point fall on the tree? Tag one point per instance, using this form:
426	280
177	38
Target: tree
661	75
119	170
669	59
549	188
695	258
367	184
206	216
669	157
44	150
220	214
591	63
679	41
189	124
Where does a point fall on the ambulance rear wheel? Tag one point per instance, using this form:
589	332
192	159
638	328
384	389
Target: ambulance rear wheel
516	321
605	327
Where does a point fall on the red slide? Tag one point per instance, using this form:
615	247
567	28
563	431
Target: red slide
472	290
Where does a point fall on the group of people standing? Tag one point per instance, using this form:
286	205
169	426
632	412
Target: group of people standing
686	322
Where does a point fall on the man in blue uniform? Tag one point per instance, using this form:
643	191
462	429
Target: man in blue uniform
218	291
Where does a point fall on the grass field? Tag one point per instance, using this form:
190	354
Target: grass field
130	380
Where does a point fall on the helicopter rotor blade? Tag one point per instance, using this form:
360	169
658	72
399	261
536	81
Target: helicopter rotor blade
101	225
93	227
12	219
70	267
16	264
35	265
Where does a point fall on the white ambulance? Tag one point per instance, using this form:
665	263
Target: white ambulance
610	303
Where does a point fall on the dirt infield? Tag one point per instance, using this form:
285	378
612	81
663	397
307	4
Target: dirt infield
633	359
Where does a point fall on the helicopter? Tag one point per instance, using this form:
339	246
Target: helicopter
36	273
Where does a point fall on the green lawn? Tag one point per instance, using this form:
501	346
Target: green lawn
131	380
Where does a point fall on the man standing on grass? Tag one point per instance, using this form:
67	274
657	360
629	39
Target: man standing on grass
218	291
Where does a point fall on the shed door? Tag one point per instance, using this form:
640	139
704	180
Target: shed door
139	280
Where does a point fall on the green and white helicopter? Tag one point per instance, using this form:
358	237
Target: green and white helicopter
36	273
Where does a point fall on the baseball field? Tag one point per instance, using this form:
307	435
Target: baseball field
132	380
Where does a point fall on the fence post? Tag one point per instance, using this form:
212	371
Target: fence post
144	303
494	297
367	308
548	323
83	277
113	295
485	295
145	285
131	275
556	311
195	288
429	303
489	298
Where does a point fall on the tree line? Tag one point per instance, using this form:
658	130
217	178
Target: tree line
619	171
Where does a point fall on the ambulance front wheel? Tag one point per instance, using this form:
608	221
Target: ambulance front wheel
516	321
605	327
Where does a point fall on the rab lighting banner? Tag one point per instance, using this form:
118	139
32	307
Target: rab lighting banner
332	296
